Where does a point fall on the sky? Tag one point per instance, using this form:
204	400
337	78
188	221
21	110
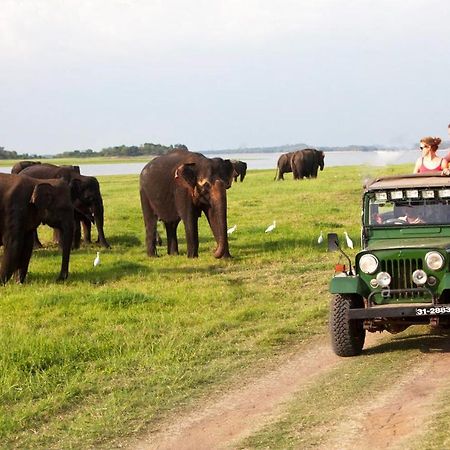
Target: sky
79	74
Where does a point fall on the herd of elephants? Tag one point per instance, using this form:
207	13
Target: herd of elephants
174	187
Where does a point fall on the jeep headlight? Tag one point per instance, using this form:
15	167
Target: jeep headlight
368	263
383	279
419	277
434	260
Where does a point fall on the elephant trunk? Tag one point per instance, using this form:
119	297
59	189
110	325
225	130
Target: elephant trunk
98	212
217	217
66	245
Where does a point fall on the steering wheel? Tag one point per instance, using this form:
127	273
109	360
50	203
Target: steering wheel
395	221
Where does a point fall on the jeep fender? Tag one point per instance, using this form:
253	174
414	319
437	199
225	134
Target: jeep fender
349	285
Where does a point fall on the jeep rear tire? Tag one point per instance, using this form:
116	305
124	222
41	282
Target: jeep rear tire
347	336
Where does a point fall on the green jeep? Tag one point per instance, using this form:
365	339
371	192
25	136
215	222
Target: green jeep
401	277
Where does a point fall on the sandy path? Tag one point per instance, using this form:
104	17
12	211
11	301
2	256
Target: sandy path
387	422
242	411
401	413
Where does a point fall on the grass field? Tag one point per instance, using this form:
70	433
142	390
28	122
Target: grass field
92	361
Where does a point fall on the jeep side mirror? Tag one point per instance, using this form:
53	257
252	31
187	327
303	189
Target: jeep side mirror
333	242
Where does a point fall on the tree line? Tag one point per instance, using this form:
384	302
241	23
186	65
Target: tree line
120	150
8	154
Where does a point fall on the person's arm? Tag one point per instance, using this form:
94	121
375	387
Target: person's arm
417	166
445	167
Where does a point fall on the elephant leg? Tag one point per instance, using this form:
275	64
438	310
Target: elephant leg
172	241
76	234
37	243
150	220
11	254
25	256
191	227
87	228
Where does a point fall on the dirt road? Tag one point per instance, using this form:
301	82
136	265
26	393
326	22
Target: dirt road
386	422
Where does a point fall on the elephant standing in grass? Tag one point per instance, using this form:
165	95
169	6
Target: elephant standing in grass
306	163
26	202
239	170
180	186
87	200
284	165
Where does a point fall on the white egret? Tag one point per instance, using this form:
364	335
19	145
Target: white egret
97	260
231	230
320	238
271	227
348	240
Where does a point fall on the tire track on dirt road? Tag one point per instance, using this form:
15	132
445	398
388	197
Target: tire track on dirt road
401	413
243	410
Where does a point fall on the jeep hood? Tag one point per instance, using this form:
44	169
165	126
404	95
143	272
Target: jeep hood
399	243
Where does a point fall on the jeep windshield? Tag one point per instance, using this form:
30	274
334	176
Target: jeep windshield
406	212
409	200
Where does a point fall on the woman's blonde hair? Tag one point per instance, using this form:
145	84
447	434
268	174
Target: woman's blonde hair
433	142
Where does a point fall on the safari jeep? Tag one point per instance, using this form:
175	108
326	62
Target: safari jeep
401	277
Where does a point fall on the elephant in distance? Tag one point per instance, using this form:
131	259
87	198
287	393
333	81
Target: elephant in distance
179	186
284	165
306	163
239	170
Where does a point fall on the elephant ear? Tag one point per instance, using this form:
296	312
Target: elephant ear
186	175
42	196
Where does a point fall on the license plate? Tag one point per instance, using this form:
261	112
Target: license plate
432	310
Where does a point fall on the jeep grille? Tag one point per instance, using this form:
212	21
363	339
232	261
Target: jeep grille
401	272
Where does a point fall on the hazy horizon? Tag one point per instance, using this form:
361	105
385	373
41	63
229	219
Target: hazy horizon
91	74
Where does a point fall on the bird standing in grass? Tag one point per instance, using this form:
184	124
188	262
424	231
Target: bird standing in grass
97	260
348	240
320	238
272	227
231	230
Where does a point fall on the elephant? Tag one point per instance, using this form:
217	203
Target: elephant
180	186
306	162
18	167
283	165
87	200
26	202
239	169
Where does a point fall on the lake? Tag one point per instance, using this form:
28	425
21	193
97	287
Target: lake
267	161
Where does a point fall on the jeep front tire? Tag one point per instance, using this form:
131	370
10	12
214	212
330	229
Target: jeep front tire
347	336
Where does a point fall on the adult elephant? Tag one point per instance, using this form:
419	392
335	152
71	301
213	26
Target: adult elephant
306	162
18	167
239	169
284	165
87	199
26	202
319	162
180	186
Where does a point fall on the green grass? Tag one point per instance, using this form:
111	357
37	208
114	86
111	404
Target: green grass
89	362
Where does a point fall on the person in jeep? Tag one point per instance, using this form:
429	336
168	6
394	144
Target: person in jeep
429	161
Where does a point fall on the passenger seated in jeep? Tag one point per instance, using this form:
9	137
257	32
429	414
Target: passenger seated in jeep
409	214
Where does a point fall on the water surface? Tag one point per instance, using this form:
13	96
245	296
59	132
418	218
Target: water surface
266	161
